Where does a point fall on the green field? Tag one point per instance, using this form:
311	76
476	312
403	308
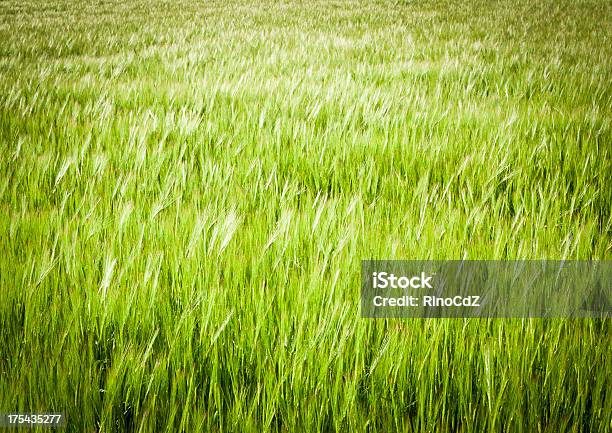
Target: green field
187	189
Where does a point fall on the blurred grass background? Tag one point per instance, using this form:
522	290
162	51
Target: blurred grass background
187	189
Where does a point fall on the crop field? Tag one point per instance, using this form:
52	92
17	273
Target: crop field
188	187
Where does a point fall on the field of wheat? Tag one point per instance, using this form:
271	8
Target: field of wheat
187	189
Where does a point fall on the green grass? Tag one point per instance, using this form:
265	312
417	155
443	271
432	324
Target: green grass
187	189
